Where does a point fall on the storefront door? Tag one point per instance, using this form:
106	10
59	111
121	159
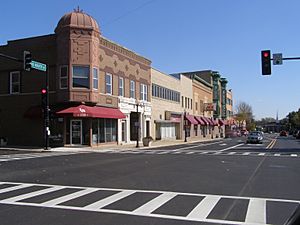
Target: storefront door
76	132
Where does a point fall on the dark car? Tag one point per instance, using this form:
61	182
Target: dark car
283	133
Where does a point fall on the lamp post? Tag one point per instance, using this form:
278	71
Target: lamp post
185	127
138	125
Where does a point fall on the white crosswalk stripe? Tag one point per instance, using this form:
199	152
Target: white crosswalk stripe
12	157
201	152
256	211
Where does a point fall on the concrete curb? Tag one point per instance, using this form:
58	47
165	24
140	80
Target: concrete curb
115	148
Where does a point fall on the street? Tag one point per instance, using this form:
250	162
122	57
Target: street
218	182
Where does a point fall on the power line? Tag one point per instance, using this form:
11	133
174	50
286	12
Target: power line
129	12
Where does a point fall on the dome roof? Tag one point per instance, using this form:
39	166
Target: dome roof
77	19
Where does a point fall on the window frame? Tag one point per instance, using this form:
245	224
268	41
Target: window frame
132	90
11	83
111	83
66	77
143	92
121	88
95	79
89	76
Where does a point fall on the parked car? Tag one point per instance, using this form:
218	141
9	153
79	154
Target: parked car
255	137
283	133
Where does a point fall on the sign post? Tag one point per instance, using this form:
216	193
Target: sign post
45	68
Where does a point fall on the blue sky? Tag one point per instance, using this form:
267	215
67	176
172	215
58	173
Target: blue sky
189	35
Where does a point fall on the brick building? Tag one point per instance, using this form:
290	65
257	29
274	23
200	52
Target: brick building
99	90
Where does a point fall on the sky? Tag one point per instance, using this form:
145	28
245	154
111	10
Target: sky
189	35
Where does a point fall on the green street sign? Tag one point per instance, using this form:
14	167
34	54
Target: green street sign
38	66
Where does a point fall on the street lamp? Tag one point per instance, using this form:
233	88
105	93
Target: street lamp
185	127
137	123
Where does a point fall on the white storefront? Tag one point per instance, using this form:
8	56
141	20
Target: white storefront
127	128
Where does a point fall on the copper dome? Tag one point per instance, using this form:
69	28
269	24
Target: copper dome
77	19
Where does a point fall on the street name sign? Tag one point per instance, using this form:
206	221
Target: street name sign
38	66
277	59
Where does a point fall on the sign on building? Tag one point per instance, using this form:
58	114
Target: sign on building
209	106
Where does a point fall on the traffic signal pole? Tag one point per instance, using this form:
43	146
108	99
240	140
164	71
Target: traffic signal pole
46	113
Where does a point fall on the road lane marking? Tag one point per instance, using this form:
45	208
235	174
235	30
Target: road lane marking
31	194
203	209
14	188
232	147
200	145
294	155
231	153
246	153
68	197
271	144
155	203
277	154
262	154
109	200
256	212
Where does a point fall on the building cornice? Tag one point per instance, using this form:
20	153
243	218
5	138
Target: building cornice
122	50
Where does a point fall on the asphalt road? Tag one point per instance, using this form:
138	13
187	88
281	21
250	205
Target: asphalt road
219	182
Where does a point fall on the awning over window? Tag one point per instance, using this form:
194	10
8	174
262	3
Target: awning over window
222	122
93	111
201	122
213	122
206	120
191	119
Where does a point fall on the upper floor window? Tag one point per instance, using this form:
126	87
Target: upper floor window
95	78
144	94
81	77
121	86
132	89
108	83
14	80
63	77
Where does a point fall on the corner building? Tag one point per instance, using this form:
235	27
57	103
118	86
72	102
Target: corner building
98	90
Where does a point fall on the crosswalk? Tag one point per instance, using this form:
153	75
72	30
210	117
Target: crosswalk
12	157
200	152
149	203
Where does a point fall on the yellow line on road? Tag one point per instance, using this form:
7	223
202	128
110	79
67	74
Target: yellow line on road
271	144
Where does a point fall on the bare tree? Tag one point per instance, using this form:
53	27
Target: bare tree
244	113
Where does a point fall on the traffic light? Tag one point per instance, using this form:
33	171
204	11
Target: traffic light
266	62
27	60
44	99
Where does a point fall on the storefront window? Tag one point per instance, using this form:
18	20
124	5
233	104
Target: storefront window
104	130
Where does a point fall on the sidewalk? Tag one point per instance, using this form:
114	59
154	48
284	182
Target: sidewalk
155	144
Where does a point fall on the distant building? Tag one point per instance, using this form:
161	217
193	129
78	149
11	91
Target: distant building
99	90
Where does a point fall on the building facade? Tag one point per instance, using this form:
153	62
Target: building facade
166	106
99	91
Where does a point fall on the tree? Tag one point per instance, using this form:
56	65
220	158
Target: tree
245	113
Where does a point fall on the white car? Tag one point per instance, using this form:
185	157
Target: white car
255	137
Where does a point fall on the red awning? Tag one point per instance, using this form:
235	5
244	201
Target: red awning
206	120
222	122
191	119
93	111
201	122
213	122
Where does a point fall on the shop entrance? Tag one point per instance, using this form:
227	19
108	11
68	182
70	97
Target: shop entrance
134	125
76	132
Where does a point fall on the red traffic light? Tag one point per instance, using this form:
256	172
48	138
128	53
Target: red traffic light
44	91
266	54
